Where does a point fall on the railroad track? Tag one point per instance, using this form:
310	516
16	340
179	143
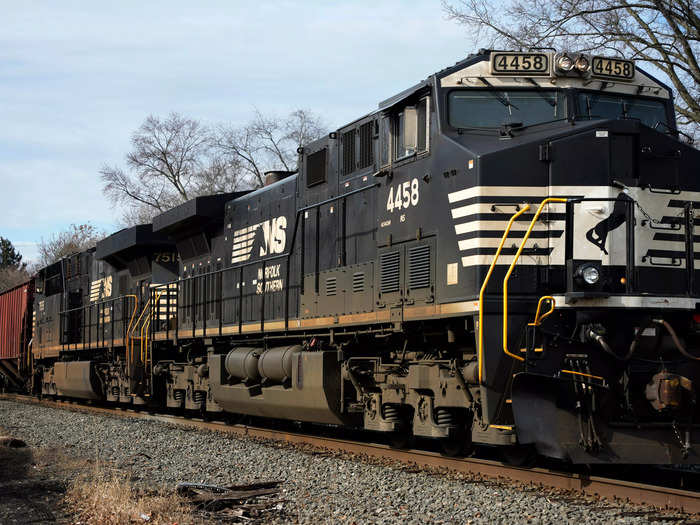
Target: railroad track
657	496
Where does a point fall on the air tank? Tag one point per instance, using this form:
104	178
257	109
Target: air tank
276	363
242	363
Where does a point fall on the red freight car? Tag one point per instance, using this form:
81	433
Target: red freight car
15	333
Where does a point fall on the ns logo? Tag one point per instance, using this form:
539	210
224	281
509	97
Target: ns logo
274	235
269	236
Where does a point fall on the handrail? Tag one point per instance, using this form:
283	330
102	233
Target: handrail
91	304
88	308
287	255
146	325
126	335
512	267
573	372
538	318
486	281
130	351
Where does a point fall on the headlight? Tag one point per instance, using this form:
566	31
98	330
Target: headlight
590	274
564	63
582	64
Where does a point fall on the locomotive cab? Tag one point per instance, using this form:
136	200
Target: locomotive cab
611	257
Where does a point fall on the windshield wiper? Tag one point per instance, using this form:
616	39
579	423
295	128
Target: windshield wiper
503	100
543	122
588	106
462	129
506	129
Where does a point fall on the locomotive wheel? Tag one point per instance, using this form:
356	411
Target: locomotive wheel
400	440
460	445
234	419
519	455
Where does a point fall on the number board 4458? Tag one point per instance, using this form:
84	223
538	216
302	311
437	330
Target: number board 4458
519	64
616	68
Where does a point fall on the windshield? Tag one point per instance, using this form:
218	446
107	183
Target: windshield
490	108
609	106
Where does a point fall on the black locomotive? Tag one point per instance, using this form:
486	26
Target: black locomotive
502	254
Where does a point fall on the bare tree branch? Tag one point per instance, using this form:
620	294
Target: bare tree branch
77	238
664	33
267	143
176	158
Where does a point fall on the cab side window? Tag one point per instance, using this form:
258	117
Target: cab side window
406	133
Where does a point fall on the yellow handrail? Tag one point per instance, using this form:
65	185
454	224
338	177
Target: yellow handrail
133	314
144	329
131	349
486	281
538	318
582	374
512	267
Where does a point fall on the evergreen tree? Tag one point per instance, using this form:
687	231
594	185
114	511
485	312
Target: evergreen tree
9	256
12	270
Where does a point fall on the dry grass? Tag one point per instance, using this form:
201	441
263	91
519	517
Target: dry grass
104	496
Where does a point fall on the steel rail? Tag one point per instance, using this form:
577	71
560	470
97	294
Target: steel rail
638	493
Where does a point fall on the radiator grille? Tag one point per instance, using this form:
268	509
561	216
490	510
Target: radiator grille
419	267
358	282
389	272
331	286
348	152
366	151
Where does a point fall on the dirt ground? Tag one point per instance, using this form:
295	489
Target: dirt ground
52	485
33	484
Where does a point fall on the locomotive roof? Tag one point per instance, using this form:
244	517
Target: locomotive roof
248	195
123	242
480	56
195	212
471	59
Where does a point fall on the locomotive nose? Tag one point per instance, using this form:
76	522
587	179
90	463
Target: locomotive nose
633	224
624	153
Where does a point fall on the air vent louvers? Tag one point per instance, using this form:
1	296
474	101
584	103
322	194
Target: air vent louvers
389	270
348	151
358	282
366	145
331	286
419	267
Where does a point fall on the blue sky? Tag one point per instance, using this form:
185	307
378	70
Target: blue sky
77	78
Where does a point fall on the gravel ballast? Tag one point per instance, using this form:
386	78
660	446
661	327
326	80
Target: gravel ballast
317	488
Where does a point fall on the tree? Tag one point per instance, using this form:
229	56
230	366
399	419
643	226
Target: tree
11	277
12	270
76	238
267	143
664	33
166	158
177	158
9	256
